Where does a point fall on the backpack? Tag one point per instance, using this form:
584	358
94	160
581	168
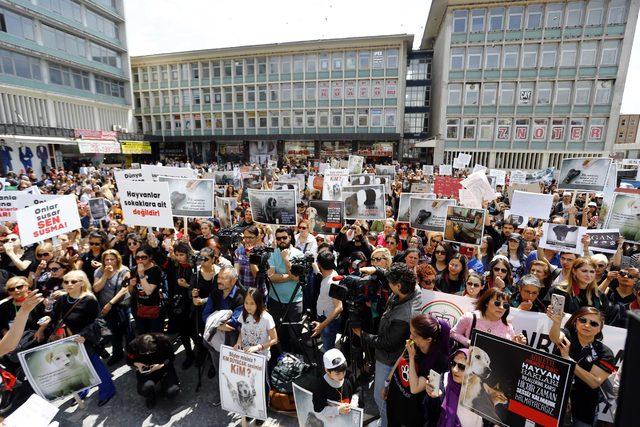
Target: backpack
286	371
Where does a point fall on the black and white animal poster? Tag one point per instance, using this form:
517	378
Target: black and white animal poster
605	241
362	179
386	170
98	208
403	204
325	216
464	225
277	207
586	173
515	385
428	214
364	202
333	182
190	197
307	417
242	376
562	237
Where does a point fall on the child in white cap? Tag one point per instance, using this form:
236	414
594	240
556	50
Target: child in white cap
334	385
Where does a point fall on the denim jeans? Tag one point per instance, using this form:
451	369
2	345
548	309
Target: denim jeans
382	372
107	388
329	335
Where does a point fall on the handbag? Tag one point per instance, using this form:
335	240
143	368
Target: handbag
148	311
60	330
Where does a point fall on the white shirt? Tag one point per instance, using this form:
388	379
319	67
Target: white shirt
257	333
324	305
310	245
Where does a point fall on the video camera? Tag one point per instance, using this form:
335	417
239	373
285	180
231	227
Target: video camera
301	265
230	237
260	256
354	292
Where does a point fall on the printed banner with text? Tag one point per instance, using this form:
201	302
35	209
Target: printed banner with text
49	219
146	203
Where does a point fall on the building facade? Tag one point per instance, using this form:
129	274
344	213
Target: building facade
627	142
525	84
311	99
417	107
64	64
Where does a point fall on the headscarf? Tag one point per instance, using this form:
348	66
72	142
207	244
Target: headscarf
449	413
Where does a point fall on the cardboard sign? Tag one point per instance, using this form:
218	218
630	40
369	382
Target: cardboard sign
365	202
307	416
334	181
241	373
428	214
146	203
501	176
531	205
445	170
152	172
419	187
190	197
427	170
584	174
355	165
47	220
518	177
464	225
405	200
478	184
325	216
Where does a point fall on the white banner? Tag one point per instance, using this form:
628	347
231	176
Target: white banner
87	146
152	172
531	204
49	219
128	175
146	203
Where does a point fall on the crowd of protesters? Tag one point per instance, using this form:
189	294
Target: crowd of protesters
148	286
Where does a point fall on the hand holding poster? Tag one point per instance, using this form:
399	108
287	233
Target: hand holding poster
605	241
562	238
49	219
276	207
584	174
531	204
428	214
325	216
190	197
479	185
242	378
364	202
514	385
146	203
98	208
308	417
59	368
464	225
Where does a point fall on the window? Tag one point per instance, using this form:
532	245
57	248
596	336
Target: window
240	120
104	85
574	14
515	17
195	71
452	128
460	21
553	17
364	60
503	130
285	65
415	96
206	72
262	65
617	9
228	66
336	118
286	119
469	128
417	69
298	64
534	16
337	61
310	91
206	96
273	93
392	58
563	93
496	19
312	63
492	57
56	39
298	118
588	54
377	59
250	67
390	117
525	93
285	92
101	24
195	96
609	52
16	64
477	20
510	56
486	129
274	65
67	8
215	69
583	93
568	55
363	117
238	69
251	119
596	129
274	121
186	97
228	95
311	118
543	95
595	12
603	92
530	56
350	60
262	93
489	93
455	94
549	52
457	59
474	58
21	26
64	76
471	93
239	94
376	117
577	129
298	92
507	92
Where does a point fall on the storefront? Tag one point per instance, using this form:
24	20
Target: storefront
230	152
337	149
136	152
172	150
375	152
299	150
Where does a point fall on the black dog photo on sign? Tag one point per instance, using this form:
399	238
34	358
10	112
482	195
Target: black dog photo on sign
277	207
364	202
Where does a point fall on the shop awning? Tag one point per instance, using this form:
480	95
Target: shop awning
91	146
26	139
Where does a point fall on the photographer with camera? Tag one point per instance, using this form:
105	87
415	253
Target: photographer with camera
351	239
393	330
328	308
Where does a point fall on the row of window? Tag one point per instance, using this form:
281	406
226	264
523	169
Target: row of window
505	93
416	122
65	76
363	117
335	61
419	69
535	130
417	96
72	10
310	91
527	56
535	16
110	87
16	64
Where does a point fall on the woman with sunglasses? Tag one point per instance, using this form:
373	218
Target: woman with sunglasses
43	253
304	240
75	313
490	316
51	288
581	341
426	275
474	286
90	261
403	233
134	243
452	280
580	288
515	254
442	254
499	275
144	287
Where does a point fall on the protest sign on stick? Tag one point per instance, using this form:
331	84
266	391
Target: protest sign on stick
146	203
325	216
276	207
190	197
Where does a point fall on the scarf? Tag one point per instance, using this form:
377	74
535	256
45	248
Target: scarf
449	414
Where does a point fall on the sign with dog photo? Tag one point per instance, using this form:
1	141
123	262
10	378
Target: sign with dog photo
242	376
562	238
428	214
308	417
333	182
586	173
362	179
190	197
513	385
276	207
364	202
625	215
464	225
403	204
325	216
59	368
355	165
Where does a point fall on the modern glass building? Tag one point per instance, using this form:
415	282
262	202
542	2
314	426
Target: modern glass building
525	84
310	99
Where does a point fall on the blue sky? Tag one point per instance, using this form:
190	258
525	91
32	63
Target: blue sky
156	26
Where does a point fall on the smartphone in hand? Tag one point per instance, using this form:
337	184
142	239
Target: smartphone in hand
557	304
434	381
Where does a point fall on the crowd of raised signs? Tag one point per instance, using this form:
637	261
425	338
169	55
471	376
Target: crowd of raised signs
564	243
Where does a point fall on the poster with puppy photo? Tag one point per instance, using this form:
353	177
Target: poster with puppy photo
355	165
59	368
514	385
190	197
308	417
364	202
429	214
585	173
325	216
334	181
464	225
403	204
562	237
625	214
276	207
242	376
223	209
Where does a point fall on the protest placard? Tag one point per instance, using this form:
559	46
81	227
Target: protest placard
98	208
464	225
241	379
146	203
386	170
276	207
152	172
428	214
542	175
59	368
624	214
562	238
355	165
49	219
404	204
468	199
334	181
11	202
518	177
228	177
128	175
308	417
325	216
445	170
533	386
605	241
190	197
362	179
35	412
518	221
458	164
365	202
500	175
478	167
531	204
446	186
223	208
464	159
586	173
419	187
479	185
529	188
427	170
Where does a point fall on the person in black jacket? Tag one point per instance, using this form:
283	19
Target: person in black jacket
334	385
349	240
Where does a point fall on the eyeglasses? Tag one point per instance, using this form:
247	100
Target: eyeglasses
12	239
498	303
474	285
282	238
403	228
391	242
461	366
142	257
95	244
70	282
41	254
377	259
440	252
17	288
54	269
592	323
120	231
624	274
500	270
427	281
